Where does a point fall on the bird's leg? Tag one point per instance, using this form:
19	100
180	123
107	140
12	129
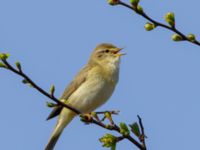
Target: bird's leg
88	117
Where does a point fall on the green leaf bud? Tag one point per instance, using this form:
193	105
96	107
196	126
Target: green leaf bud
149	26
107	114
191	37
113	2
52	89
108	140
124	129
2	65
25	81
18	65
108	126
135	129
170	19
134	2
140	9
94	114
176	37
4	56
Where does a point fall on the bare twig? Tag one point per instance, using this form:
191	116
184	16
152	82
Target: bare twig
34	85
158	24
113	112
142	138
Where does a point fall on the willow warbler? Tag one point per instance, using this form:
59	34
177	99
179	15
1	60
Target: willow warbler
91	87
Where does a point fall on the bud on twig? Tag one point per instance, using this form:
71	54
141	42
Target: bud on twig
176	37
4	56
52	90
124	129
2	65
170	19
140	9
149	26
108	115
113	2
108	126
108	140
191	37
134	2
135	129
94	114
27	82
18	65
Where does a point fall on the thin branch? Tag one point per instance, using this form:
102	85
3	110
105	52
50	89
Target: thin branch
117	129
34	85
94	119
156	23
142	139
120	138
113	112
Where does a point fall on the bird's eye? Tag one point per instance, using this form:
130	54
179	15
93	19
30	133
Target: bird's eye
107	51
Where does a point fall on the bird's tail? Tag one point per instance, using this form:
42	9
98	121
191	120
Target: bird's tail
64	119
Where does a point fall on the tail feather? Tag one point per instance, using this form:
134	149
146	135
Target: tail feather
54	138
64	119
55	112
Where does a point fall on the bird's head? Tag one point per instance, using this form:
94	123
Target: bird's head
106	53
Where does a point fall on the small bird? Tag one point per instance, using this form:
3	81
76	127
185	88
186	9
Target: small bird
91	87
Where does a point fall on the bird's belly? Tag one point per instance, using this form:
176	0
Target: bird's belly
91	94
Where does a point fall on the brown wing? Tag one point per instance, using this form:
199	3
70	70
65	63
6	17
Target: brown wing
78	80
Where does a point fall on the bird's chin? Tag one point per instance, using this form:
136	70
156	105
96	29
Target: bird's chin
118	58
116	61
112	61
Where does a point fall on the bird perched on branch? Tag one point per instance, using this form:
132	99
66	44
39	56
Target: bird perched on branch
91	87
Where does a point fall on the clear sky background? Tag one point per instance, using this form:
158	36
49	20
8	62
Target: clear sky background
159	79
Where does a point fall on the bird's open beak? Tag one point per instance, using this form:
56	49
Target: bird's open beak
117	52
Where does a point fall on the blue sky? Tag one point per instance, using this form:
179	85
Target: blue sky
159	79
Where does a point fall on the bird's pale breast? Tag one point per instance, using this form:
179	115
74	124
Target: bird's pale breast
95	91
